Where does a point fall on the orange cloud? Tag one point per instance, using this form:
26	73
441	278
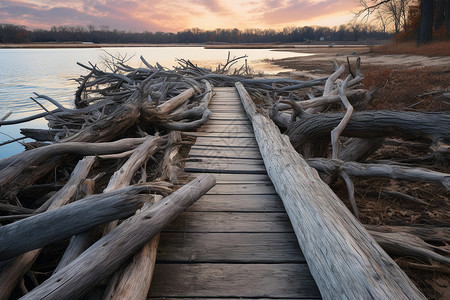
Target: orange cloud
171	15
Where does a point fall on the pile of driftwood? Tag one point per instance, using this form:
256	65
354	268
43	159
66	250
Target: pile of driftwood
341	147
120	150
110	156
108	159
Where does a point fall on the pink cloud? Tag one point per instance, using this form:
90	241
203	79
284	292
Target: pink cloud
168	15
300	11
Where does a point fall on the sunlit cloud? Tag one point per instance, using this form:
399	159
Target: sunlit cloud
176	15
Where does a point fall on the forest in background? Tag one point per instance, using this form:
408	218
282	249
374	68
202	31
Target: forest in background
10	33
406	20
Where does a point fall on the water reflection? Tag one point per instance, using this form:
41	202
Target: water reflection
51	72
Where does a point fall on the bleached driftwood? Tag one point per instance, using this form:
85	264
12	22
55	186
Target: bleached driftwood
34	232
344	259
107	254
133	281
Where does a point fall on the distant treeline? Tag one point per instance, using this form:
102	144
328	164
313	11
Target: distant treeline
10	33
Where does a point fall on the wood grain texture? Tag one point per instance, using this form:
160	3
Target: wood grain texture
230	222
238	178
238	203
107	254
233	280
243	189
225	153
239	247
236	241
344	259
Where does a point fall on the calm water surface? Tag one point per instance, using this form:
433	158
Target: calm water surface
51	72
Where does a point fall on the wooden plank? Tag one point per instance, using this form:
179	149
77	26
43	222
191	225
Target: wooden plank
243	189
226	155
225	128
225	168
239	247
230	222
201	160
233	280
219	118
227	142
225	102
238	203
225	171
225	151
239	115
237	178
221	134
227	298
228	122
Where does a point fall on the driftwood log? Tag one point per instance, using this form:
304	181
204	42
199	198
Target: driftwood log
13	167
87	270
431	126
344	259
133	281
34	232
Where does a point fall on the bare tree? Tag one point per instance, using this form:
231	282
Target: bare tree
397	10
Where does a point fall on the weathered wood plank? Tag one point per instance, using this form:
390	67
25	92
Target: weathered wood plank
236	121
233	280
235	155
224	160
230	142
222	134
230	222
239	178
227	298
224	128
227	171
218	149
239	247
243	189
238	203
226	165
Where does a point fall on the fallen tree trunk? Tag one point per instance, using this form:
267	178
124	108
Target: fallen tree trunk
431	234
344	259
107	254
123	118
11	276
133	281
351	168
12	167
432	126
34	232
169	105
405	244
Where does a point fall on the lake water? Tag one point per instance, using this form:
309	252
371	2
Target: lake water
51	72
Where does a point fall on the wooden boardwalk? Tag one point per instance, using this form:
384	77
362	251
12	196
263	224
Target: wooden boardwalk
236	241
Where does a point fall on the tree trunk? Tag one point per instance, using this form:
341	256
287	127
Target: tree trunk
344	259
426	22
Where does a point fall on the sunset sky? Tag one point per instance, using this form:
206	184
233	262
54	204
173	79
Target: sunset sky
176	15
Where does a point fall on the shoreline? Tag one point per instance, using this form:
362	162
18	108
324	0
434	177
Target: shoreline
297	46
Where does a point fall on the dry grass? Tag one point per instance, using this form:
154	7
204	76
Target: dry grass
411	48
401	89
